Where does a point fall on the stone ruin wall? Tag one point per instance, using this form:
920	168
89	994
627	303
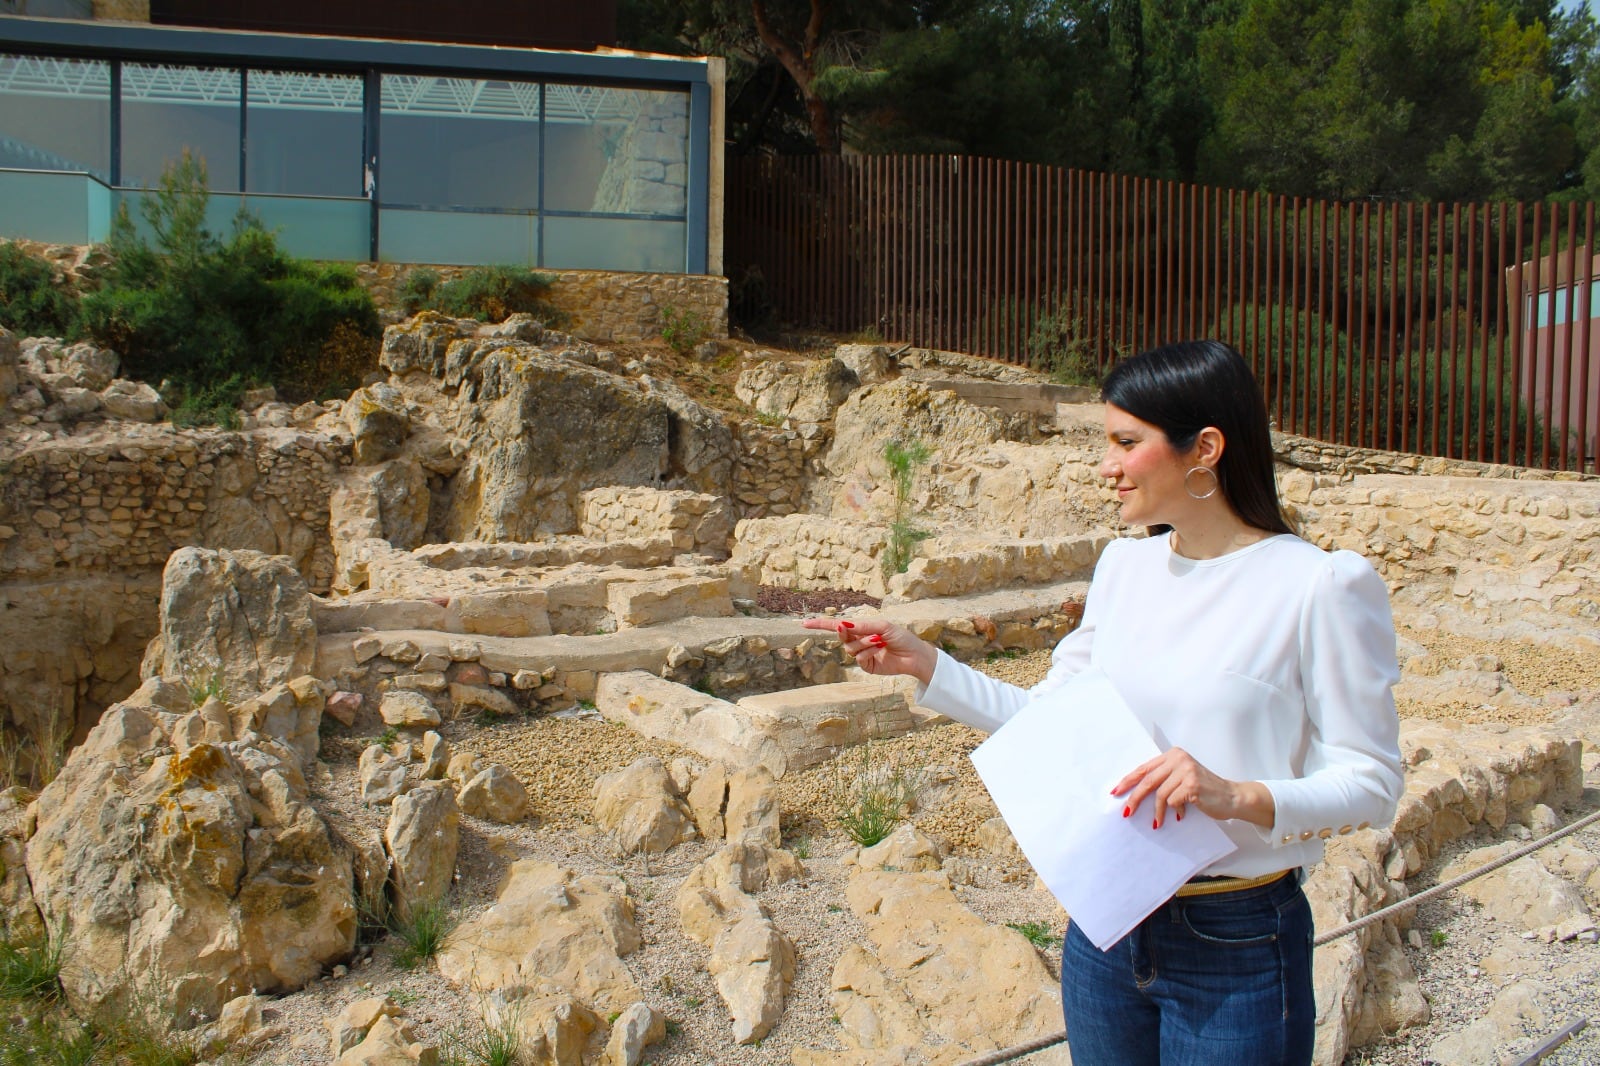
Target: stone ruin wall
604	306
696	522
85	530
773	468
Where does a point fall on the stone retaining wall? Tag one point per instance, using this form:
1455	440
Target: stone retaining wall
601	305
808	552
1025	562
772	468
124	505
1500	546
696	521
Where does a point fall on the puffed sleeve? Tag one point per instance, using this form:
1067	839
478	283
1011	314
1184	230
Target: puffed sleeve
976	699
1351	771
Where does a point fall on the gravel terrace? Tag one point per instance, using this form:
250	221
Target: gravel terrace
559	758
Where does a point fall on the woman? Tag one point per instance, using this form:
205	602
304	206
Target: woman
1261	665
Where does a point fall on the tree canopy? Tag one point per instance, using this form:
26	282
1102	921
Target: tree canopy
1400	99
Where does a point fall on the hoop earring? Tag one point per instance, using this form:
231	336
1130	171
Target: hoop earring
1216	482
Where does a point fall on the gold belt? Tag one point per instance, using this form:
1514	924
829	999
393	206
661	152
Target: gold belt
1229	884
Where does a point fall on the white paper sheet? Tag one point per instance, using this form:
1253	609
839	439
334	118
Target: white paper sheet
1050	770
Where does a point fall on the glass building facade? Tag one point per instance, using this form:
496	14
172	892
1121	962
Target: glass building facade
358	149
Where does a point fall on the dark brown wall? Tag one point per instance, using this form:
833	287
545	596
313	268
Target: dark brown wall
523	23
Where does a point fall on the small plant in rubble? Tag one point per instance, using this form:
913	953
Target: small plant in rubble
904	458
873	795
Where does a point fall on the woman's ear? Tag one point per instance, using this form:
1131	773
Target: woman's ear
1208	447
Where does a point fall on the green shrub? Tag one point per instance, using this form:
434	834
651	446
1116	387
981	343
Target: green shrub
873	797
1037	933
421	933
32	302
417	290
904	459
208	317
684	329
489	294
30	968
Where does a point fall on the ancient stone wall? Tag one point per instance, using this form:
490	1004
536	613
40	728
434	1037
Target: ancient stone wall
85	528
600	305
773	468
808	552
1497	547
1021	562
696	521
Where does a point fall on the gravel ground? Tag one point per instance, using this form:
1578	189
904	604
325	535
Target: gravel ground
559	758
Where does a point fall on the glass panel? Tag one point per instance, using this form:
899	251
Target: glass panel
620	151
459	142
166	109
304	133
316	229
456	237
614	244
56	208
55	114
221	210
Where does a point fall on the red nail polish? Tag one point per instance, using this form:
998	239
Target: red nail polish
1127	811
847	625
1155	823
876	640
1180	816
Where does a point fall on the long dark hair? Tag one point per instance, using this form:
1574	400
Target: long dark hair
1183	388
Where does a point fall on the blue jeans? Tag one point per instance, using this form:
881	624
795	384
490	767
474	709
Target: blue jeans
1219	980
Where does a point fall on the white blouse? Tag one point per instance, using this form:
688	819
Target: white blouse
1273	663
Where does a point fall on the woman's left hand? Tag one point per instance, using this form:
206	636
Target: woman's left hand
1177	781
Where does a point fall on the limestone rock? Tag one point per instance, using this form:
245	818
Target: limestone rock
382	776
637	1028
407	709
550	932
752	811
435	756
553	1029
938	982
463	766
239	1022
809	391
704	724
10	355
19	918
476	699
350	1026
400	489
343	707
390	1043
870	363
640	806
1523	895
543	429
239	615
753	964
707	796
906	849
188	879
290	712
420	343
378	420
133	401
424	827
495	793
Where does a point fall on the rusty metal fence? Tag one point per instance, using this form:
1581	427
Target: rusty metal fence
1460	330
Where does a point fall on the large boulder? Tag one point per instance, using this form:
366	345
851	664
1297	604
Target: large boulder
424	828
379	422
238	617
809	391
933	982
549	933
641	807
183	879
542	430
751	959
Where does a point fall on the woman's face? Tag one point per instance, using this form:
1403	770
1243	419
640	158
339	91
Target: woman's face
1144	469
